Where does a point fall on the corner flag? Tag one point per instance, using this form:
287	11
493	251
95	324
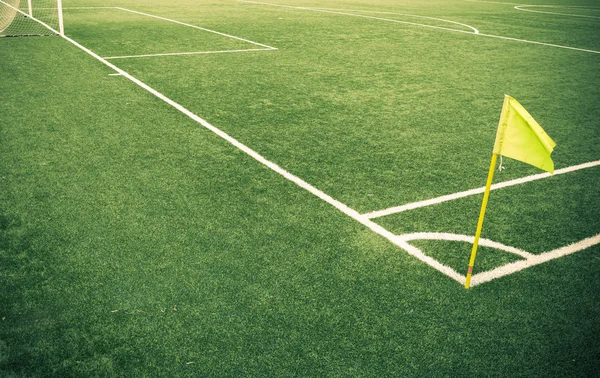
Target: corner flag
519	137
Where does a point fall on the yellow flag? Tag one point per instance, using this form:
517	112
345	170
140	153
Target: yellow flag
520	137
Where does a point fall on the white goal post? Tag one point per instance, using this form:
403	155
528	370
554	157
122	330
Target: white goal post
19	18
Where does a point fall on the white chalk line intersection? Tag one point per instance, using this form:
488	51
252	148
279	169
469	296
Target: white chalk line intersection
528	261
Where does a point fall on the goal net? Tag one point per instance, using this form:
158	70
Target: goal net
30	18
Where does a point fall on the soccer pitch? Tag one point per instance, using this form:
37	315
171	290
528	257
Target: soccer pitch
291	188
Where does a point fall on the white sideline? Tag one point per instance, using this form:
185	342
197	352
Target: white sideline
520	7
430	26
467	193
185	53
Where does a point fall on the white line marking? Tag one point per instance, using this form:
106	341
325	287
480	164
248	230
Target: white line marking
114	74
401	14
471	192
465	238
433	27
450	197
520	7
514	267
510	268
74	8
185	53
265	47
539	43
323	10
197	27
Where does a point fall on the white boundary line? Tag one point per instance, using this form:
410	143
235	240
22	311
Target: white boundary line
430	26
539	43
467	193
520	7
185	53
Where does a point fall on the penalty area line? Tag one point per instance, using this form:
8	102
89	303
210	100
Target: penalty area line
187	53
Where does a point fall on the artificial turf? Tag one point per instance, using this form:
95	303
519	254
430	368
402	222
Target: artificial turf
133	242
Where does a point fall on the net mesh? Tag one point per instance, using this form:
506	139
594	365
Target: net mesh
17	17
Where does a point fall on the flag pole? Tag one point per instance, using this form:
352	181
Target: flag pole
486	195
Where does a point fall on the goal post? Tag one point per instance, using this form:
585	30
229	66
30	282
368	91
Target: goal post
19	18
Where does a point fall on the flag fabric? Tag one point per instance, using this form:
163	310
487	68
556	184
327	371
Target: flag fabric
520	137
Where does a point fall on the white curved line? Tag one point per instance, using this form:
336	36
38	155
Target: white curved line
520	7
358	15
401	14
465	238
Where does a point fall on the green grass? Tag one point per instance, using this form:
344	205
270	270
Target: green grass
133	242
